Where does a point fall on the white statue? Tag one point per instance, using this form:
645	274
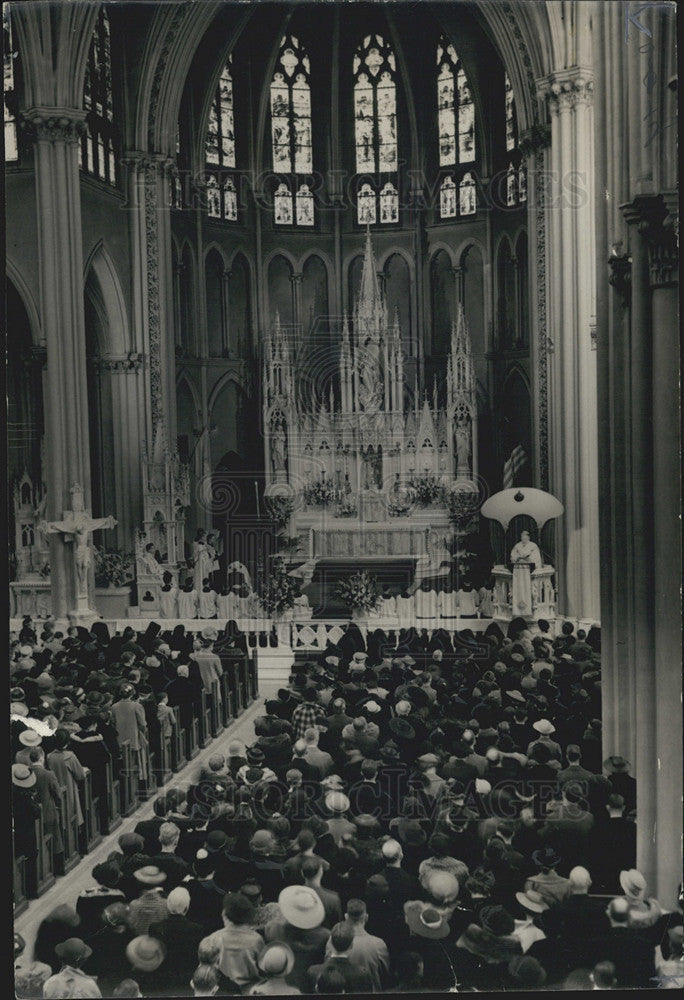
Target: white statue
278	448
525	557
462	436
77	528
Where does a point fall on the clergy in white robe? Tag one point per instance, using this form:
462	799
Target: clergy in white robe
448	604
525	557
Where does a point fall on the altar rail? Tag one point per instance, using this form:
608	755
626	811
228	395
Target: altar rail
123	783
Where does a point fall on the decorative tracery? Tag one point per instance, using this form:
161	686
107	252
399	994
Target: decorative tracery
291	132
375	130
456	133
219	149
10	56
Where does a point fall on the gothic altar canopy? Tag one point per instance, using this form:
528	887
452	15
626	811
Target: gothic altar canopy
355	445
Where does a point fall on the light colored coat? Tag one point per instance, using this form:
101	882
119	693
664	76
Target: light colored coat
129	719
68	771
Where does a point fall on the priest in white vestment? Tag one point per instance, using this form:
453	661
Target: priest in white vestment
525	558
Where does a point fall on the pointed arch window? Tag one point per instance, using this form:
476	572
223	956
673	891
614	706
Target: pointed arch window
365	206
219	149
10	58
282	203
455	109
291	128
511	117
447	198
511	186
466	195
375	128
100	143
176	186
305	207
522	183
389	203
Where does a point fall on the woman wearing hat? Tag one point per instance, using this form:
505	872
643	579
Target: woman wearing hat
275	963
25	812
71	981
491	943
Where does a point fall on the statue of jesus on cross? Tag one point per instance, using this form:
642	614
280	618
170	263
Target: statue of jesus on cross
77	527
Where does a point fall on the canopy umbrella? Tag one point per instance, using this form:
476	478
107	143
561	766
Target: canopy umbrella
507	504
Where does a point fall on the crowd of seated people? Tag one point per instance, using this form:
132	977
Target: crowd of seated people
414	814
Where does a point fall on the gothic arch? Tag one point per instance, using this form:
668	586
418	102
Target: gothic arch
231	376
435	249
399	252
217	248
24	292
100	265
281	252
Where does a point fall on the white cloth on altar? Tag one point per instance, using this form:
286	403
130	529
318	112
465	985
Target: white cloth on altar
525	557
388	607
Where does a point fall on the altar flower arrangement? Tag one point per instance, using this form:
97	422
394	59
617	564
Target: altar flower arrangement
280	590
279	509
319	493
427	488
462	504
112	567
360	592
347	508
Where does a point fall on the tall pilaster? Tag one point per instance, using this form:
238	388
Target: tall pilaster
56	134
573	459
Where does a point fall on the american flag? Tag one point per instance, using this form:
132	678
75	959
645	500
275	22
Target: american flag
513	465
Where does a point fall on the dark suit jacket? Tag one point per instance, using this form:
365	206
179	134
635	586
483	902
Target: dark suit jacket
357	980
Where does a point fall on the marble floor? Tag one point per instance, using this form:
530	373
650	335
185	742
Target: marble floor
67	887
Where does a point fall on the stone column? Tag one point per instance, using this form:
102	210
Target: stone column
572	366
56	135
296	282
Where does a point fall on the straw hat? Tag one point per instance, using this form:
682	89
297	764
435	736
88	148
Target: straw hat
544	727
633	883
425	921
145	953
150	875
277	959
23	776
301	907
337	802
532	900
30	738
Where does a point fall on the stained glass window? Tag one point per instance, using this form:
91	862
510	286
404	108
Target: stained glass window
291	110
447	198
510	186
466	192
282	204
305	208
522	183
99	146
291	131
511	124
229	201
375	126
389	203
213	198
365	203
219	148
11	146
455	109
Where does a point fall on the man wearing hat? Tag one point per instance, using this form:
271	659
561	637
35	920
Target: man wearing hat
71	981
25	812
150	906
621	781
431	938
545	730
301	928
546	881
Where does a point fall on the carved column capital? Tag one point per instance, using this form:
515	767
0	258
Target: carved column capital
568	89
296	277
119	365
54	124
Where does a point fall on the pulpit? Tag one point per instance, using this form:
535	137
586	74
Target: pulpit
543	593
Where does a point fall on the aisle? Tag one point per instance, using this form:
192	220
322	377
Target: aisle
67	887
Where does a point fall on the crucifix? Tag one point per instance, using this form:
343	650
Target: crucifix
77	526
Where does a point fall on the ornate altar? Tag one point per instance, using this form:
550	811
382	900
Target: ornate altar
30	592
350	449
166	496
